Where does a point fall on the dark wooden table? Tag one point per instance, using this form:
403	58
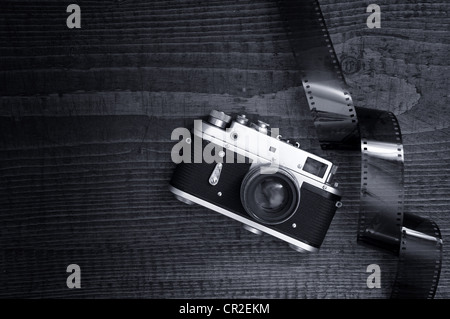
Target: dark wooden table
85	122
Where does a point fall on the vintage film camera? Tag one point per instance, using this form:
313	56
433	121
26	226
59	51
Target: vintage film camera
262	181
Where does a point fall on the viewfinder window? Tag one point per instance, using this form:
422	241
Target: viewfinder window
315	167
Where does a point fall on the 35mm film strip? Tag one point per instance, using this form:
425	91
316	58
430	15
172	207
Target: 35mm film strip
340	125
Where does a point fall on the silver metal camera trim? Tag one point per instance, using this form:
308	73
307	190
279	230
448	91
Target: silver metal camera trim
293	161
270	231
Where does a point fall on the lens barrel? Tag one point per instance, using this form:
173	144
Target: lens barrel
270	198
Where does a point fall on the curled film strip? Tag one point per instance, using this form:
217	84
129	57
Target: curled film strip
340	125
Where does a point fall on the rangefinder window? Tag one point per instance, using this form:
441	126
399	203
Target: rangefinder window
315	167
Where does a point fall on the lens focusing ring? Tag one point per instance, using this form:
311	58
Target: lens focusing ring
249	187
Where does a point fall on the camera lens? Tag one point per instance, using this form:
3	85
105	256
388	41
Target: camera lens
270	198
271	194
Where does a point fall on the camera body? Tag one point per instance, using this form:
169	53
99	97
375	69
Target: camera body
238	169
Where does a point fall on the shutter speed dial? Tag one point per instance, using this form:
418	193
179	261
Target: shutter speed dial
261	127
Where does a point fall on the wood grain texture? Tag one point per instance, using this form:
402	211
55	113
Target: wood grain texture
85	123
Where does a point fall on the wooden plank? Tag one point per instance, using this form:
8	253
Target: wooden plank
85	123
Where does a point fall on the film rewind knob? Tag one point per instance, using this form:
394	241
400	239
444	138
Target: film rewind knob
219	119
